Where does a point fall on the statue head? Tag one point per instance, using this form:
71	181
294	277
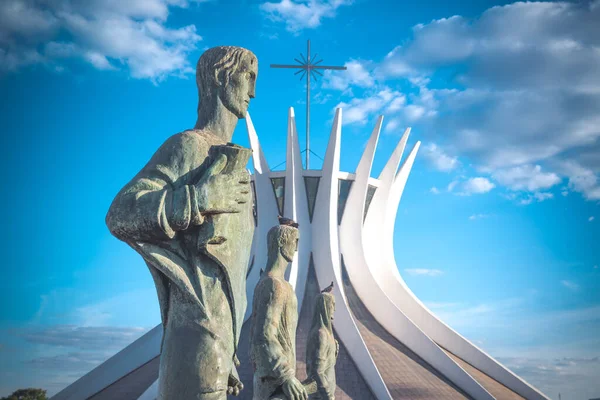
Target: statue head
228	73
282	240
324	310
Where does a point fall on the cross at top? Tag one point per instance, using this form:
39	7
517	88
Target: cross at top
310	69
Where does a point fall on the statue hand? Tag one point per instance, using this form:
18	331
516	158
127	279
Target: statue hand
294	390
222	193
234	385
337	348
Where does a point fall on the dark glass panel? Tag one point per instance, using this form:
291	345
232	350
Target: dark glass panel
279	190
370	193
312	186
254	206
344	186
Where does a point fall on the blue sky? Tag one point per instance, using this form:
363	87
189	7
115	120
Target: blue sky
497	230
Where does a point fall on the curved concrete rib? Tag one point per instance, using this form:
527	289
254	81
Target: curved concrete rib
127	360
375	218
394	286
327	262
151	393
296	208
266	207
367	287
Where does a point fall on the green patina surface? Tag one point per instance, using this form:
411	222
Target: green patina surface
188	213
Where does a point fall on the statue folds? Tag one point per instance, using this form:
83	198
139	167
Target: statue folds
322	348
188	213
274	321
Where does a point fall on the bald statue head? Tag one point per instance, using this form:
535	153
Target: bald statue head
228	74
282	241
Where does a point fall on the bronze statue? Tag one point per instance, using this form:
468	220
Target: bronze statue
274	322
322	348
188	213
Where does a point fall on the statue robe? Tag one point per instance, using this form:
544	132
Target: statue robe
202	297
273	335
322	349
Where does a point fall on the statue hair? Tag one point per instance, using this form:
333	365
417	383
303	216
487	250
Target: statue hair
216	65
278	236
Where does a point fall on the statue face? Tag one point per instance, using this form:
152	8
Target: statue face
241	87
331	307
289	247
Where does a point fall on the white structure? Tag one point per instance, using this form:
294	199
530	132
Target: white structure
346	235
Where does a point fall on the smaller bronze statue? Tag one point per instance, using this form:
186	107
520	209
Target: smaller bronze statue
274	321
322	348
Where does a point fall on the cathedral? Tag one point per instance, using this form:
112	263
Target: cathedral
391	345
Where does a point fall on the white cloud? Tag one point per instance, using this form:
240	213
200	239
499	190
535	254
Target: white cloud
452	185
590	219
359	110
414	112
423	271
109	311
299	15
570	285
529	92
393	124
582	179
434	190
439	159
574	377
83	338
537	197
476	185
478	216
396	104
526	177
64	353
106	34
356	74
321	98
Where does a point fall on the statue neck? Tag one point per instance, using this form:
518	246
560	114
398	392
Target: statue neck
215	118
276	266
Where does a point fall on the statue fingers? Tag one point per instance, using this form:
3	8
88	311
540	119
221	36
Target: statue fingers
292	394
242	176
299	392
244	197
231	208
217	166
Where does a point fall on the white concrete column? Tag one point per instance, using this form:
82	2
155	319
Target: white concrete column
296	208
266	206
326	256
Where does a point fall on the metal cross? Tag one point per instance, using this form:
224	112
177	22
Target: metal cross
308	68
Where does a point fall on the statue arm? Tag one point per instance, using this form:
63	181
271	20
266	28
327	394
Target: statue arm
151	207
269	355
